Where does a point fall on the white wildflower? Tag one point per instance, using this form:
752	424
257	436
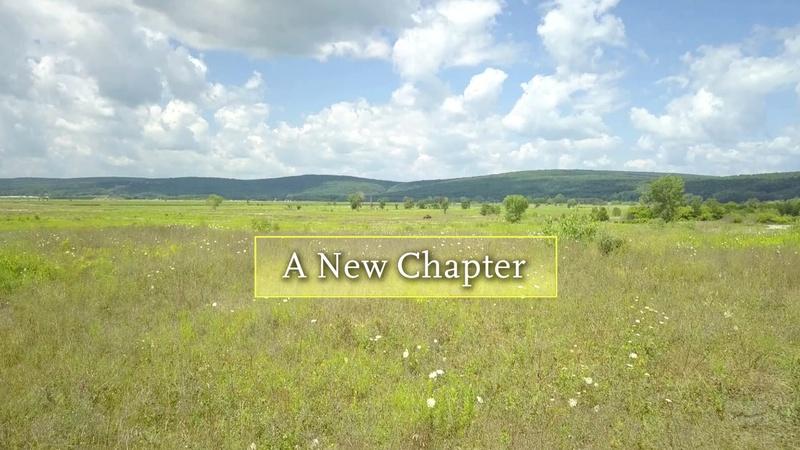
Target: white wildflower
573	403
431	402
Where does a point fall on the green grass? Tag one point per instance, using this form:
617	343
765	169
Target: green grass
132	324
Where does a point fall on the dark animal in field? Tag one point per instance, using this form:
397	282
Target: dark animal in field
427	216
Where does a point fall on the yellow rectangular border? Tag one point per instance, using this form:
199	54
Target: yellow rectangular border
255	266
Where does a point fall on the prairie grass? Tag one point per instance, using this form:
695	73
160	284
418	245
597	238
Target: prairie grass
132	324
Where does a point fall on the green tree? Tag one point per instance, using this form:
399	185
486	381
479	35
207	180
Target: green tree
465	203
408	203
515	207
571	203
214	201
382	203
356	199
558	199
443	203
664	196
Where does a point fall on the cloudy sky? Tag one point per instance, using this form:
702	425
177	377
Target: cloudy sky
397	89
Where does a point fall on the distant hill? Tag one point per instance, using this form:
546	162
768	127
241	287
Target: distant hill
579	184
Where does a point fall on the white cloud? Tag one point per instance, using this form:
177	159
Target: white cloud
480	94
572	101
266	28
450	33
574	32
720	121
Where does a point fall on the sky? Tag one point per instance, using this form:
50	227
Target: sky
397	89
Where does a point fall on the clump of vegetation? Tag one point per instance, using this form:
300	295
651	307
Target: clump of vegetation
356	199
575	226
214	201
772	218
608	243
264	226
789	207
443	203
515	205
616	212
408	202
489	209
465	203
600	214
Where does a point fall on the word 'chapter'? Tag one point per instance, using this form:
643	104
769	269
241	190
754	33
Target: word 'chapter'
410	265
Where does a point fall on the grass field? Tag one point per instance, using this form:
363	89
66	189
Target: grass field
132	324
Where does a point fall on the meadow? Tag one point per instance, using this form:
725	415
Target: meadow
130	323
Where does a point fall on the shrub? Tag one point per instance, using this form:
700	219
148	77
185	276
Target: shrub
616	212
443	203
465	203
264	225
638	213
488	209
214	200
408	203
515	205
574	226
770	217
356	199
789	207
609	244
600	214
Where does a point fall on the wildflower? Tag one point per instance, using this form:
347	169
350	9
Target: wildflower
436	373
588	380
727	314
633	355
668	400
479	399
431	402
214	305
405	354
252	446
313	320
573	403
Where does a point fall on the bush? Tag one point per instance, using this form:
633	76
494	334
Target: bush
609	244
616	212
574	226
356	199
789	207
769	217
408	203
515	205
264	225
488	209
600	214
639	214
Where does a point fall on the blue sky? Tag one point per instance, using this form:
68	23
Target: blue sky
397	89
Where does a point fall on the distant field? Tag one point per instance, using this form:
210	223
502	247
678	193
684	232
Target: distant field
132	324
